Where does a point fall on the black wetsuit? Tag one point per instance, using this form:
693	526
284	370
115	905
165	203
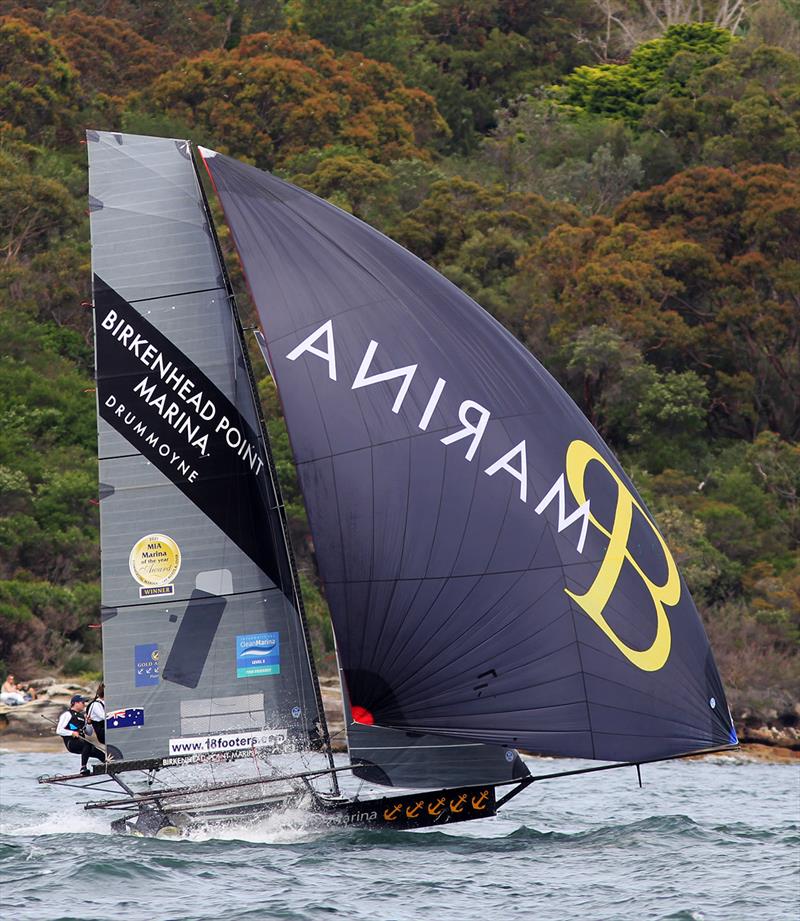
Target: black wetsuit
77	744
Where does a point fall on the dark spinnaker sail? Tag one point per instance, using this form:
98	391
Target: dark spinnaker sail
204	652
492	573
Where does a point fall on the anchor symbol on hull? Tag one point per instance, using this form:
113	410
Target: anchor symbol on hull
391	814
413	811
436	808
479	802
458	804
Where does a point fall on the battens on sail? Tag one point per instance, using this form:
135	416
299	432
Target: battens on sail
203	650
491	571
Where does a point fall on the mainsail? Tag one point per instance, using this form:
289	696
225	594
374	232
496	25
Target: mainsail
492	573
205	651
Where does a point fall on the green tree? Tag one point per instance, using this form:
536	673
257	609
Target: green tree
475	236
741	297
472	57
671	421
34	210
587	160
744	109
350	181
607	376
663	66
38	87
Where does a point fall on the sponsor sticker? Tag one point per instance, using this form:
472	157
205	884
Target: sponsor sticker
216	758
146	665
154	562
258	654
156	591
229	741
122	719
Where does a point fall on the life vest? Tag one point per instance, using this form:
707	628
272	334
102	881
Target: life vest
77	723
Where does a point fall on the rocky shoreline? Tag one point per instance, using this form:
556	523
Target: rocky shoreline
765	735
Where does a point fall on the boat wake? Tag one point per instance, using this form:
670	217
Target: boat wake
62	822
287	826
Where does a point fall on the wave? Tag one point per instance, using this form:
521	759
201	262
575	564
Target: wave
66	822
657	828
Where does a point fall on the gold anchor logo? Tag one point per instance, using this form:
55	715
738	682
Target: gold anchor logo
413	811
479	802
458	804
391	814
436	808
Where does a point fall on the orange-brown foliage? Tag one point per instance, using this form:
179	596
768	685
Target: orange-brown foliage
277	95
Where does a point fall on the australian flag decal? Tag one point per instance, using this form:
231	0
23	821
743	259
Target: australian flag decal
120	719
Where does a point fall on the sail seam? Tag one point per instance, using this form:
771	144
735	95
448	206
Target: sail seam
676	689
426	695
452	614
465	575
407	437
161	297
577	647
379	640
490	557
521	614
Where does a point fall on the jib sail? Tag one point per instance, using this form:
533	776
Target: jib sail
492	573
204	650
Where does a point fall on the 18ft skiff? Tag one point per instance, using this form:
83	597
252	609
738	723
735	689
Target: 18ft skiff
495	581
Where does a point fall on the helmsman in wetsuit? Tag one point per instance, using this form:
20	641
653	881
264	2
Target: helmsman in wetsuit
73	727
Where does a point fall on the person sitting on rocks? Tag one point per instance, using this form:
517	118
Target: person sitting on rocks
13	694
74	729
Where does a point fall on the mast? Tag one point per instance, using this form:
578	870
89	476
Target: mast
280	508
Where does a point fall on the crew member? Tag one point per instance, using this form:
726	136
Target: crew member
73	727
97	712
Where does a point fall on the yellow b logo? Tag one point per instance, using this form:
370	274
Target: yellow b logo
593	602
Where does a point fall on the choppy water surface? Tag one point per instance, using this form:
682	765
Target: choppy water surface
712	839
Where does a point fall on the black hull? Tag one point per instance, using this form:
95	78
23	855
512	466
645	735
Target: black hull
419	810
427	809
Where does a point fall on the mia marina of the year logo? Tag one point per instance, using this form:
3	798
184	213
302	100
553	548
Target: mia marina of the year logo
154	562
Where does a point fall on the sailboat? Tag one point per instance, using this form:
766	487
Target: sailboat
495	582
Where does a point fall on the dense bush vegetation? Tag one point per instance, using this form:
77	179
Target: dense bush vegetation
622	192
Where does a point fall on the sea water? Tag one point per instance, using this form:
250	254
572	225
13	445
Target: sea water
717	838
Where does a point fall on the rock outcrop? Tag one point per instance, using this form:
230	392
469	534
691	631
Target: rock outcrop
37	718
